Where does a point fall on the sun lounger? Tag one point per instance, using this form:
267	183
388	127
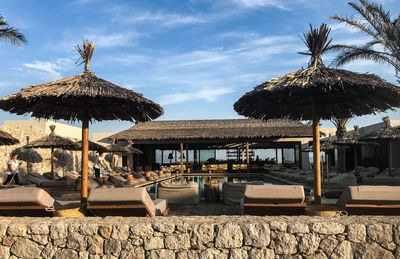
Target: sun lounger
370	200
179	193
393	181
29	201
274	200
232	193
125	202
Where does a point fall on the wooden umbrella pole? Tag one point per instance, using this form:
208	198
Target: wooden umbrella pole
327	169
85	155
316	169
247	156
390	157
112	162
52	164
181	158
355	159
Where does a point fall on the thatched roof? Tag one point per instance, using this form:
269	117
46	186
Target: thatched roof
388	132
133	150
92	146
75	97
214	129
354	140
6	139
325	146
339	93
52	141
114	148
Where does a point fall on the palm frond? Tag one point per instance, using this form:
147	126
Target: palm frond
11	35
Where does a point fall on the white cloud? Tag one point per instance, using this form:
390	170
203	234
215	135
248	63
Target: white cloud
49	69
114	40
205	94
161	19
260	3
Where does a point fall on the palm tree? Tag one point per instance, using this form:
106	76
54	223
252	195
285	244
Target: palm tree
374	21
10	35
341	133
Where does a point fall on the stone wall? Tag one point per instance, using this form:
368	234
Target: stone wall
38	160
201	237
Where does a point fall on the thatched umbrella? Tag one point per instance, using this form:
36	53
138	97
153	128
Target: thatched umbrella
92	146
52	141
318	92
85	98
6	139
114	148
132	150
387	133
354	140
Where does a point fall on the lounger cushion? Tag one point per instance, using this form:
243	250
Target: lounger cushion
274	194
179	193
72	175
161	205
370	194
138	176
127	196
116	179
25	196
232	193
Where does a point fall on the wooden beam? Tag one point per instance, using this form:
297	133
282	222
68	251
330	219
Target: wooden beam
316	154
390	157
52	164
181	146
85	158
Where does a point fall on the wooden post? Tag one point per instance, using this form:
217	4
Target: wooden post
112	162
355	159
390	157
327	169
85	158
247	156
182	158
52	164
316	151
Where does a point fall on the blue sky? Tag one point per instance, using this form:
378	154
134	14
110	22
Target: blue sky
195	58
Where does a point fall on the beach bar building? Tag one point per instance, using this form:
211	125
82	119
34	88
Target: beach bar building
228	144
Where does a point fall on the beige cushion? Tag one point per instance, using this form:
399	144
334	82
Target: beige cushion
25	196
179	193
116	179
76	196
33	179
232	193
161	205
72	175
114	196
370	194
274	194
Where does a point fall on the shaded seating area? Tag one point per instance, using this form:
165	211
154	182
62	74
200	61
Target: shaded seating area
180	193
26	201
125	202
274	200
370	200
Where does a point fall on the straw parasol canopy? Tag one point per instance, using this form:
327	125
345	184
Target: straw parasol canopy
354	140
6	139
92	146
52	141
114	148
318	92
83	97
387	133
325	146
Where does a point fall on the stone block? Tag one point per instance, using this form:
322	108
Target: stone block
238	254
256	235
120	232
143	230
153	243
371	250
343	251
66	254
95	244
112	246
17	230
164	227
161	253
328	244
212	253
105	231
25	248
356	233
381	233
177	241
328	228
308	244
263	253
298	228
285	244
202	234
229	235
